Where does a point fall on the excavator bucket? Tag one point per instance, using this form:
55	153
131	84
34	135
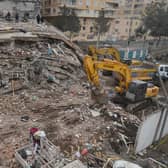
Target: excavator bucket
99	95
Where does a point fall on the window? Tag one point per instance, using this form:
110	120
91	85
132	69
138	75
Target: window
91	29
80	2
161	68
117	21
73	2
166	69
84	28
88	3
84	20
116	30
48	3
54	10
95	3
126	30
47	11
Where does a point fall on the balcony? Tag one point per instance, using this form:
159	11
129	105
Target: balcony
113	6
127	12
111	1
134	2
47	12
138	6
128	6
110	9
138	12
71	2
47	3
111	16
139	1
94	13
61	3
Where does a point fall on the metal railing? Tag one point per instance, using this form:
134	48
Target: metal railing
48	156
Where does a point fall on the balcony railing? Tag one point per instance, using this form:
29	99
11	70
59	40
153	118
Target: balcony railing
112	1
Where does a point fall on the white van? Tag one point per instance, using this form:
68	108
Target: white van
163	71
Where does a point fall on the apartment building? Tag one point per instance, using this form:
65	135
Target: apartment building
124	15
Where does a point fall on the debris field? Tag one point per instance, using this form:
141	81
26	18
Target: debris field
43	84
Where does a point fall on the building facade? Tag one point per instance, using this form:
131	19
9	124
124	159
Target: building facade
124	15
21	6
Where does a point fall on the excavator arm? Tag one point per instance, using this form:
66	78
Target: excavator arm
92	67
111	51
139	87
93	51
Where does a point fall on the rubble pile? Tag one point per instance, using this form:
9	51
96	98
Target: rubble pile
111	126
69	120
42	84
31	64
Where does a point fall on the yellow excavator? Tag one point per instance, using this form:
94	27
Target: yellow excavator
139	70
128	87
110	53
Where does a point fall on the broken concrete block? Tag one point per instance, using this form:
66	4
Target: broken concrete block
75	164
125	164
95	113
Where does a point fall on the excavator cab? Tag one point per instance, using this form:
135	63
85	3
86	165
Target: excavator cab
139	90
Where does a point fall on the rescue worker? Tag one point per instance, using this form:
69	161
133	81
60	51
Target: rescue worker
38	18
36	136
17	17
8	16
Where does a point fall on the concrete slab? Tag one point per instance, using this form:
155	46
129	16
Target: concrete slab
75	164
152	129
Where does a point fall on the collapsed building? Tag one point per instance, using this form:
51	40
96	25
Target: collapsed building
42	84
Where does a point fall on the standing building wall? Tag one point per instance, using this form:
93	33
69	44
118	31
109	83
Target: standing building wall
124	15
20	6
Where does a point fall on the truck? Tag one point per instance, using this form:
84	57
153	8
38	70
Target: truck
163	71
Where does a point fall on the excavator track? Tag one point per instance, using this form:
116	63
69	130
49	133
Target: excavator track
132	93
134	107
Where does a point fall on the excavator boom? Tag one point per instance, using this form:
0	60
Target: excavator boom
138	68
92	68
135	90
94	52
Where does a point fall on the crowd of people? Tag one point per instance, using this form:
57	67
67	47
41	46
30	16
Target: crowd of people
24	18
